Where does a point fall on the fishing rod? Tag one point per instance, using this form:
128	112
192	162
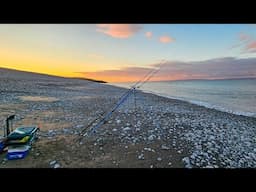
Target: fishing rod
151	75
101	115
121	100
83	132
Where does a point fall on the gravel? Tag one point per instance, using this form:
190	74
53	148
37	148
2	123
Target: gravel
195	135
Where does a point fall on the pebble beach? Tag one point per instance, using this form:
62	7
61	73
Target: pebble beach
147	131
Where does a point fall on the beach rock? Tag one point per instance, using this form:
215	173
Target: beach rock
164	147
127	129
79	126
187	162
209	166
151	137
118	121
149	149
56	166
141	157
53	162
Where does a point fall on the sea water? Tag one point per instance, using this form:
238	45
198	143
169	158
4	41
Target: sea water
236	96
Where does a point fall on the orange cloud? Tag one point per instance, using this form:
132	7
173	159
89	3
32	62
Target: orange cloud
148	34
119	30
166	39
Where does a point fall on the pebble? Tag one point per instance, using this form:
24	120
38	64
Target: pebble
187	162
53	162
118	121
164	147
127	129
159	159
149	149
79	126
56	166
141	156
209	166
151	137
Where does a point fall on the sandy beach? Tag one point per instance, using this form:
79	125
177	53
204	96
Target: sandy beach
157	132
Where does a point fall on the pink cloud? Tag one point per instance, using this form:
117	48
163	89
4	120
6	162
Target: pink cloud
148	34
166	39
251	47
119	30
218	68
247	43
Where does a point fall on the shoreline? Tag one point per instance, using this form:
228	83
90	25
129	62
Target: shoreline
207	105
198	103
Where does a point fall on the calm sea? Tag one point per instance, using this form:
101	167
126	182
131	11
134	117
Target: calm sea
234	96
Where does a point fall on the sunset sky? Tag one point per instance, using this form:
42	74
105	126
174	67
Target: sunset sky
125	52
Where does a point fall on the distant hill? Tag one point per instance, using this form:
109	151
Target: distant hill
18	74
88	79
